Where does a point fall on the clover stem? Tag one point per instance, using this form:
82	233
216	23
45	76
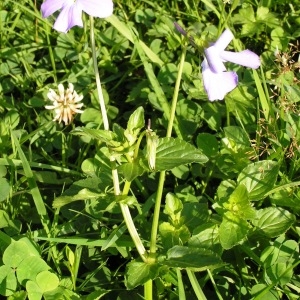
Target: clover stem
162	175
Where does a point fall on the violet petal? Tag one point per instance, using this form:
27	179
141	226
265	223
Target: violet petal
213	58
69	17
50	6
217	85
244	58
96	8
224	40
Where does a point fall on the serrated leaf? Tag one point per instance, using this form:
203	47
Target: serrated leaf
131	170
206	236
138	273
191	258
239	204
259	178
171	153
171	235
173	207
273	221
232	230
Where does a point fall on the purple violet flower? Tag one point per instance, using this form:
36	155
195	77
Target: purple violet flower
71	12
217	81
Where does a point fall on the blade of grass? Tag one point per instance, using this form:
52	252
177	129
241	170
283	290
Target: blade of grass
264	101
156	85
35	192
121	242
126	32
18	163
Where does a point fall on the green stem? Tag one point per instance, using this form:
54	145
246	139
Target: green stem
214	284
115	176
127	216
181	292
195	284
162	175
176	92
148	290
97	76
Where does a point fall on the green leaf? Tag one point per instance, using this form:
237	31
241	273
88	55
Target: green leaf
167	74
172	235
208	144
34	291
171	152
8	281
237	137
193	258
15	253
47	281
135	123
131	170
12	119
206	236
30	267
84	194
137	273
273	221
232	230
173	207
91	114
105	136
259	178
4	189
266	295
194	214
239	204
240	101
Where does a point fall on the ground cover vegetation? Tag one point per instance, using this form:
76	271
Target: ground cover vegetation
123	171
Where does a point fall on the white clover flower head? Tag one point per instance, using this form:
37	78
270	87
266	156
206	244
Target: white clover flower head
71	11
65	104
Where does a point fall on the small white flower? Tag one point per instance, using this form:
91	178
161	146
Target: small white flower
65	104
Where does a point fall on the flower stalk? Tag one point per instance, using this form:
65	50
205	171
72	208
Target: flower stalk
162	176
97	77
124	207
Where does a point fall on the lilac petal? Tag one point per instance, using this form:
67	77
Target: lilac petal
244	58
224	40
97	8
213	58
217	85
50	6
69	17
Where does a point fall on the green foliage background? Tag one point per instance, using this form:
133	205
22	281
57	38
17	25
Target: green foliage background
229	222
